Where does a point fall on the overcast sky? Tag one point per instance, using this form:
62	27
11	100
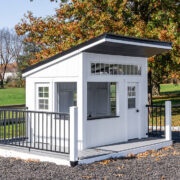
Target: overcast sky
11	11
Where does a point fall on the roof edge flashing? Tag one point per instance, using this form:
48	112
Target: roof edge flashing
153	45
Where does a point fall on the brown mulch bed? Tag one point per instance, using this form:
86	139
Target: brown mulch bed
162	164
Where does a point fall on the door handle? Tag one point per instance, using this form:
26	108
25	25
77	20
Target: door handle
137	110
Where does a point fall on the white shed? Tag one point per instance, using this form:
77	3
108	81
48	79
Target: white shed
106	78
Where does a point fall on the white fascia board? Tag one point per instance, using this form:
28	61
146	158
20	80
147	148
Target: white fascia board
137	43
62	58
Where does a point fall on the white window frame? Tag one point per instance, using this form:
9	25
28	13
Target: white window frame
114	69
132	94
38	85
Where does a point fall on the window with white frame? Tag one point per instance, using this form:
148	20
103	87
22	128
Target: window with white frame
43	97
131	97
101	100
115	69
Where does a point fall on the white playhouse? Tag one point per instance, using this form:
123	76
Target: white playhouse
106	78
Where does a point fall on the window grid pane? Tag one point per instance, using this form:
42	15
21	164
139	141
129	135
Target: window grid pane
43	94
131	103
111	69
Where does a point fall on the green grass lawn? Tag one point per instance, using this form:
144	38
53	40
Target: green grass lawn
170	92
168	89
12	96
14	130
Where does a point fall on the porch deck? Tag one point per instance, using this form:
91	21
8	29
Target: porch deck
89	155
134	146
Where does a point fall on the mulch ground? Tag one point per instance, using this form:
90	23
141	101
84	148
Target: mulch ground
162	164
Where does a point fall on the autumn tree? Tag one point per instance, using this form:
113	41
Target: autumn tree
24	59
77	21
10	48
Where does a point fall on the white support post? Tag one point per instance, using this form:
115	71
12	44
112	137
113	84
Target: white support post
73	135
168	132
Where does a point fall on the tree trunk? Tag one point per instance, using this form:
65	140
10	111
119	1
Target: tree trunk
2	83
156	90
150	87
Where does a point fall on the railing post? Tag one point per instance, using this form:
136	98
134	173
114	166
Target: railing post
73	135
168	133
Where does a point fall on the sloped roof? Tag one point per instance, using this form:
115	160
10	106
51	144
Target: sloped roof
114	45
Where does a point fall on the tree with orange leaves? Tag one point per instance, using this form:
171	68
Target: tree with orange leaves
79	20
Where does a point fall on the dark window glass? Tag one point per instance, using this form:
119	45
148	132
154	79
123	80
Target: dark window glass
131	103
93	68
106	68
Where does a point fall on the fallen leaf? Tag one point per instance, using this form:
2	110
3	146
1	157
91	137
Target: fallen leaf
131	155
119	175
147	169
167	148
142	155
157	159
32	160
176	153
104	162
87	177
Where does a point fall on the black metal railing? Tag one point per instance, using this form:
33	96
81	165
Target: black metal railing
47	131
156	120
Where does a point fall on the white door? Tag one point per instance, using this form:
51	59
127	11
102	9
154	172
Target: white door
133	109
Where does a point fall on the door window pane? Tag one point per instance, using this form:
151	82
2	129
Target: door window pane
131	97
131	103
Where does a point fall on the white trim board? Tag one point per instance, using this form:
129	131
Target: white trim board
7	152
126	152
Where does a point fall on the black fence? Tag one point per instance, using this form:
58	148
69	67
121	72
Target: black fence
47	131
156	120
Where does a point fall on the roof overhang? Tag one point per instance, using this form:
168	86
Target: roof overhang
128	48
107	44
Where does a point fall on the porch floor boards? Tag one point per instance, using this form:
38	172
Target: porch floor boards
89	155
119	147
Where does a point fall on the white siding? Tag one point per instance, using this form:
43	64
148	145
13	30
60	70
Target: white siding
107	131
78	69
65	68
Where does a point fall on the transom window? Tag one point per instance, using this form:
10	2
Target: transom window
115	69
131	97
43	98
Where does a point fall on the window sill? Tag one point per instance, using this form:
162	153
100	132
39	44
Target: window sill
101	117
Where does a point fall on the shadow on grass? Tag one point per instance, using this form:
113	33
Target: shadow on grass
170	93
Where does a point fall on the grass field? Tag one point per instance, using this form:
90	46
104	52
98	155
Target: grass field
170	92
12	96
170	89
14	130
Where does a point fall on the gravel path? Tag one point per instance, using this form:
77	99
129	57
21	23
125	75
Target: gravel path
163	164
